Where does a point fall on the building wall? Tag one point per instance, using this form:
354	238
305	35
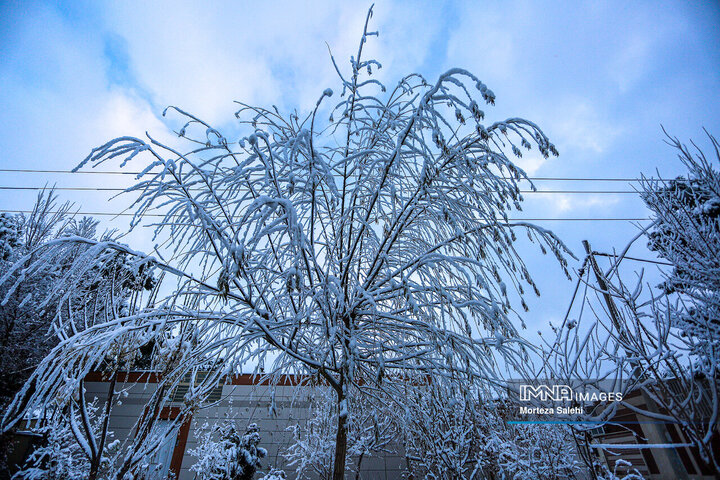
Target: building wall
244	403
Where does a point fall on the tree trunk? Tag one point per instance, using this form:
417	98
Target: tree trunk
359	463
94	468
340	446
95	463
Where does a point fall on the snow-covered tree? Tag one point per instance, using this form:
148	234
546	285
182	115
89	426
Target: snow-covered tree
686	233
77	441
357	248
36	316
372	430
28	302
24	326
663	342
28	308
232	456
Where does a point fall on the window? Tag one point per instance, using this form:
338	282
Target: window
159	463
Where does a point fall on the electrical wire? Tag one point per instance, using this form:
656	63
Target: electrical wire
120	172
117	189
129	214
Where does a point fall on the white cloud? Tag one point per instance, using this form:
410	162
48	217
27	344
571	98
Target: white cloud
530	162
589	205
58	105
577	125
203	57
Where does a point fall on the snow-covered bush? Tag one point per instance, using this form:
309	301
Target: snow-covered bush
225	454
622	470
274	474
537	452
66	451
451	435
10	232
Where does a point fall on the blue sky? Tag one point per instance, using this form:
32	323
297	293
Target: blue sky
598	77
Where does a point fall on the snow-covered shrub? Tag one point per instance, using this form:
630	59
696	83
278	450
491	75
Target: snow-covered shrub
312	449
622	470
274	474
537	452
10	232
226	454
60	457
66	452
453	435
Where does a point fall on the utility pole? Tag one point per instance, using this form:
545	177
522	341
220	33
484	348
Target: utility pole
602	283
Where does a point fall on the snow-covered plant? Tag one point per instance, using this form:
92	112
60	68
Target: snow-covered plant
664	343
10	231
622	470
537	452
29	303
451	434
69	448
59	457
42	316
356	248
442	433
225	454
274	474
684	353
686	233
24	325
372	430
313	446
34	316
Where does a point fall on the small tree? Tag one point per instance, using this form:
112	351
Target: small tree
29	304
34	317
70	450
686	233
231	457
358	249
24	326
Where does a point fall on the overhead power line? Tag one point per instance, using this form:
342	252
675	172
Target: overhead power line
117	189
122	172
658	262
129	214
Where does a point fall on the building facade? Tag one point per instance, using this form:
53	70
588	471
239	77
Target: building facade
243	399
653	462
